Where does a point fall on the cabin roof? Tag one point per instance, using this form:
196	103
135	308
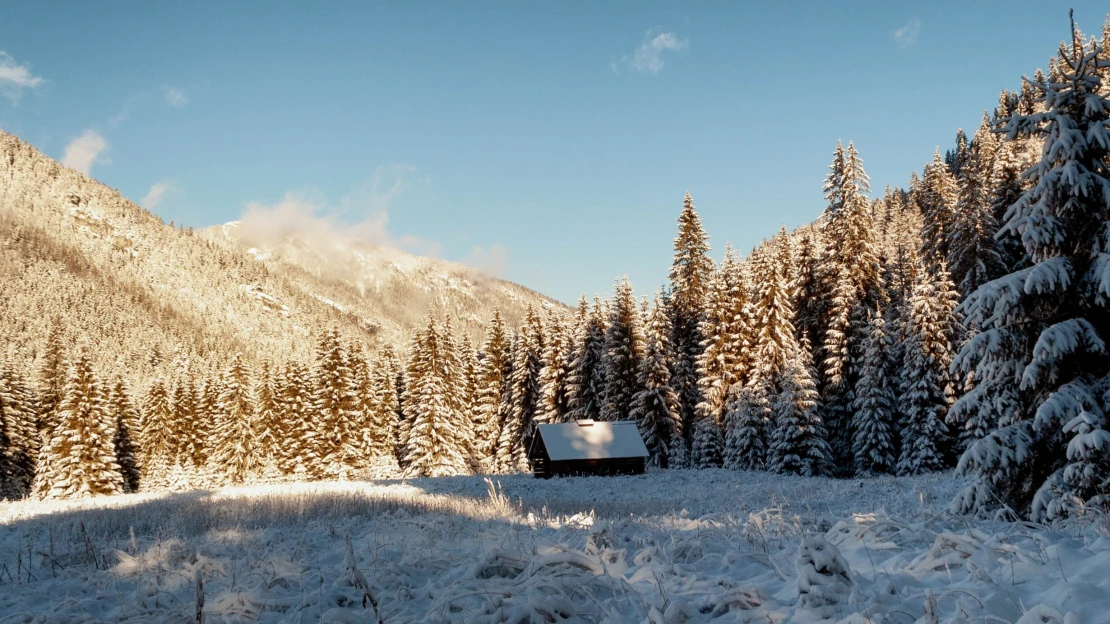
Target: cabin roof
592	440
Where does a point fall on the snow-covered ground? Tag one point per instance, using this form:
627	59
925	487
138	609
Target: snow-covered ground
670	546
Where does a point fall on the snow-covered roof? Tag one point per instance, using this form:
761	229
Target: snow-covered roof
592	440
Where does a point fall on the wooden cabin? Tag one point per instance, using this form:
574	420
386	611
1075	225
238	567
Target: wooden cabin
587	447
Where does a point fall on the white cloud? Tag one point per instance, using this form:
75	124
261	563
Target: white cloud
175	97
906	36
648	57
157	193
309	217
85	151
14	78
493	260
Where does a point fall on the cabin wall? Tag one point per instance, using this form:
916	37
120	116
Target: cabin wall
544	468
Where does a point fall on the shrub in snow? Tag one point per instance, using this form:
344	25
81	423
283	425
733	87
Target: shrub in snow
824	583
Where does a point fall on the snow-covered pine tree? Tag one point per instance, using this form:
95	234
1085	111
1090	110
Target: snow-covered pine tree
655	406
126	418
1049	321
19	432
690	274
973	254
873	417
51	376
236	453
955	159
709	444
384	417
584	380
333	405
810	309
556	368
938	200
455	376
157	437
518	424
79	458
300	455
468	360
267	419
838	393
208	396
433	444
747	413
725	331
624	349
183	417
928	392
492	378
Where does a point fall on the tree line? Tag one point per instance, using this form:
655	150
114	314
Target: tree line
957	322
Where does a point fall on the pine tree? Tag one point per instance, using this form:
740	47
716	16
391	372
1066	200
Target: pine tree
655	407
838	393
79	459
433	446
459	384
690	275
333	404
126	428
157	436
725	328
709	444
52	377
873	418
183	418
747	414
268	424
523	398
384	416
301	456
624	346
928	393
555	371
938	203
973	253
1048	322
204	426
494	369
236	452
18	433
584	380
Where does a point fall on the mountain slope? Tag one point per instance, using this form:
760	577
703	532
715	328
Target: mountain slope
76	253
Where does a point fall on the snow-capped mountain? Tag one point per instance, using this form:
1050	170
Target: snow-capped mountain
78	258
389	290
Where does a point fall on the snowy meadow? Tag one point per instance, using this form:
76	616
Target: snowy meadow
670	546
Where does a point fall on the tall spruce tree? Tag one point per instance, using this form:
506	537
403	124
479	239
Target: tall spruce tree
523	398
584	379
157	436
1049	322
690	275
798	440
126	417
18	432
928	392
726	332
938	199
236	453
79	458
623	351
655	406
434	445
973	253
873	417
494	368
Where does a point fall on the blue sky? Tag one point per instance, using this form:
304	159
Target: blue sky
548	142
